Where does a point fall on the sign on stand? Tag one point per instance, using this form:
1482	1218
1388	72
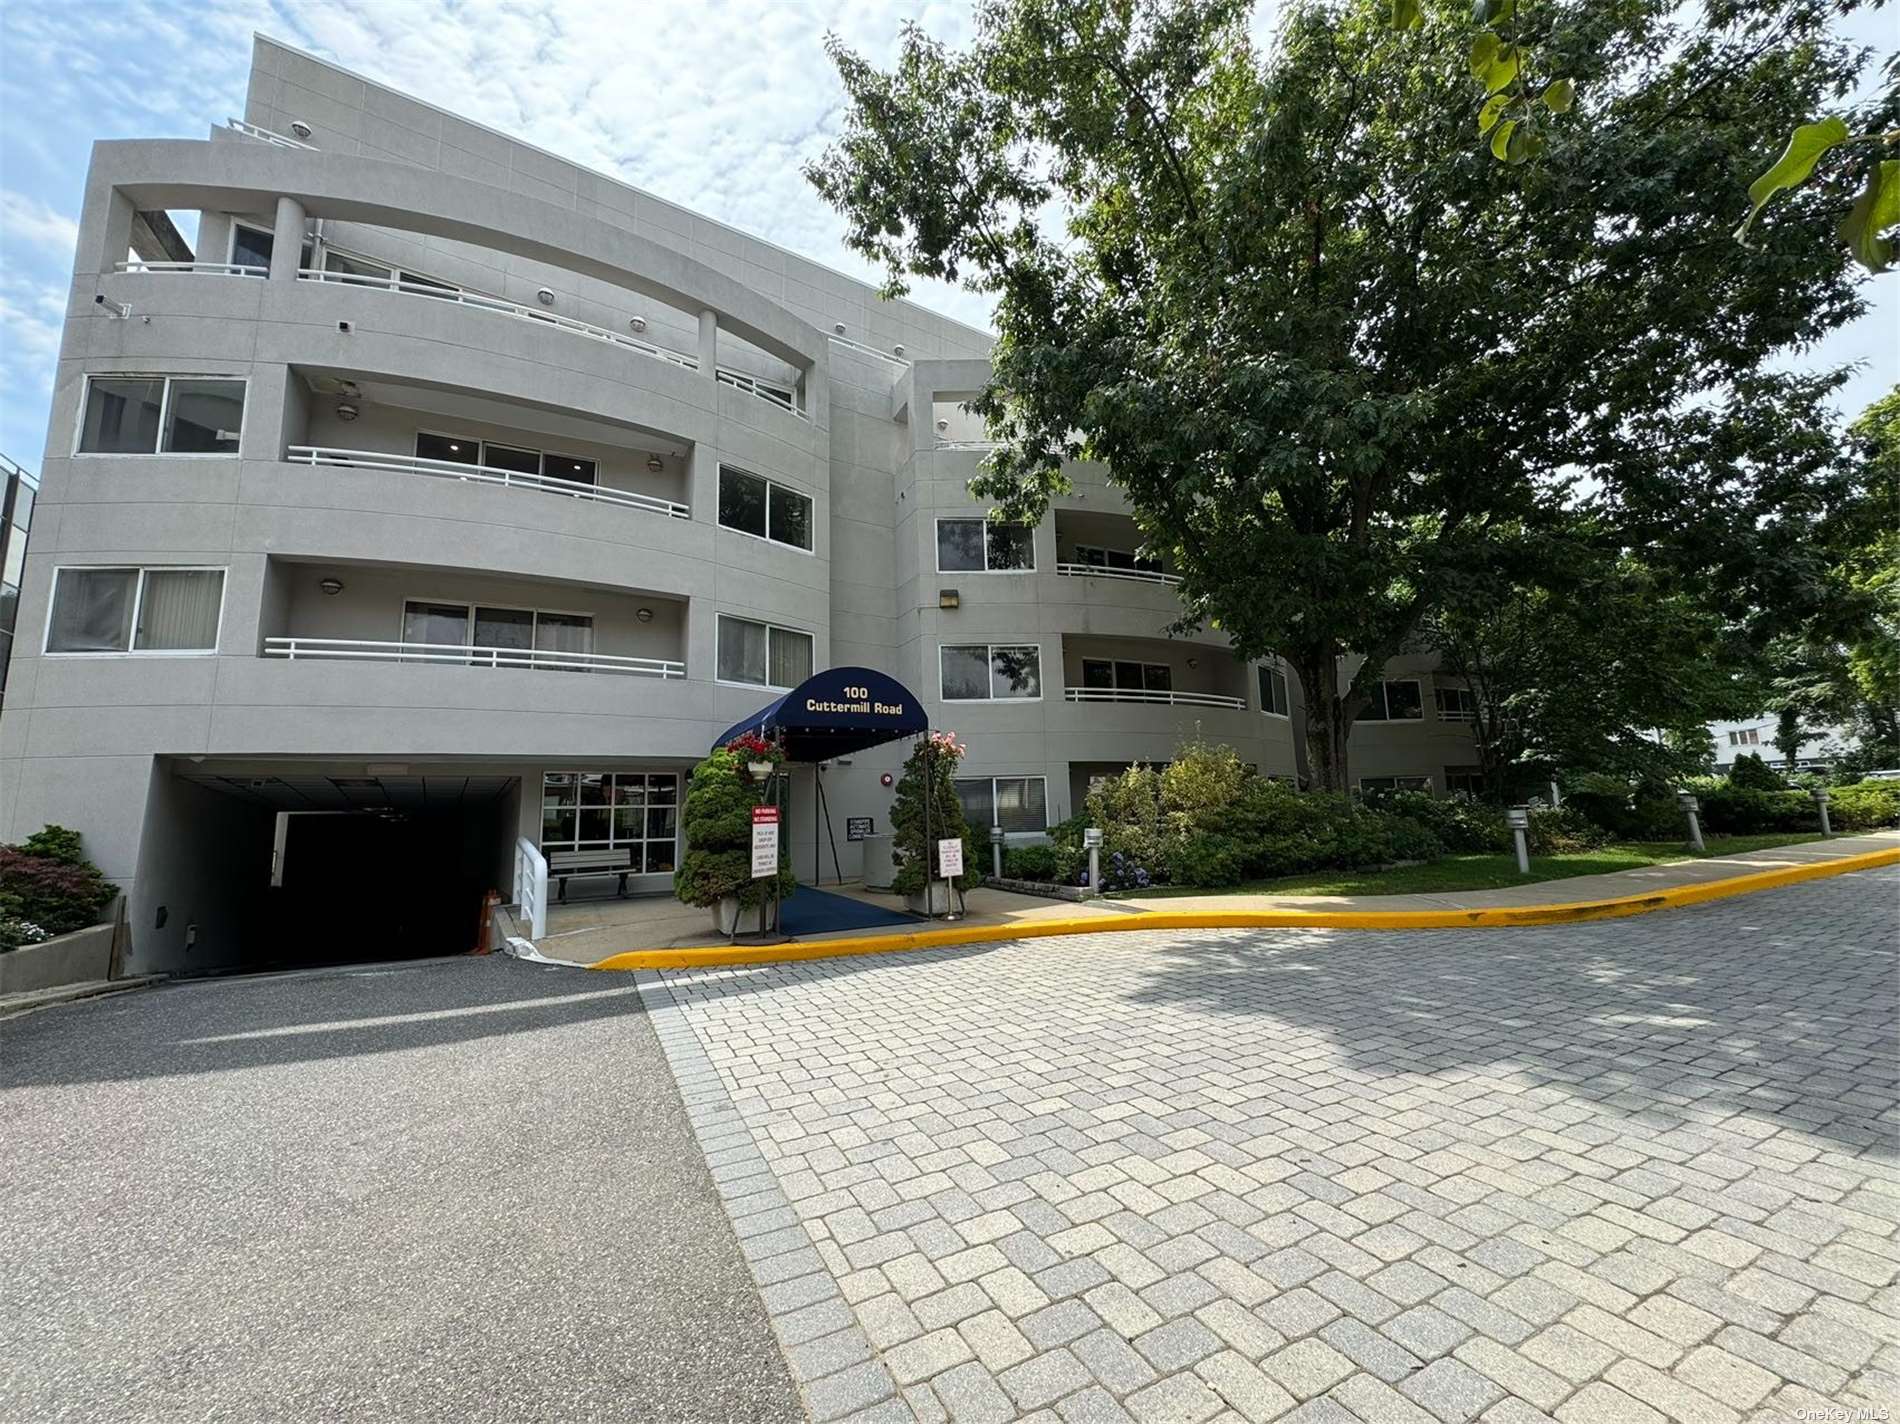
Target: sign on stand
950	858
764	841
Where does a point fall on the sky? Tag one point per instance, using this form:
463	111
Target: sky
712	104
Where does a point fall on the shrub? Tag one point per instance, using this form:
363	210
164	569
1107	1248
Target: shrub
51	893
1730	810
1041	863
945	814
1751	773
1128	810
1202	780
1461	826
15	932
717	819
1563	830
1864	807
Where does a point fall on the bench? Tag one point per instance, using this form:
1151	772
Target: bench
564	863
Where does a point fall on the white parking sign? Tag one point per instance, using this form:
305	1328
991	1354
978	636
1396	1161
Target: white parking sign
950	858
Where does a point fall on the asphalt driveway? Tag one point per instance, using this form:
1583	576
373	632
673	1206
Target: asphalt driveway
1612	1173
455	1190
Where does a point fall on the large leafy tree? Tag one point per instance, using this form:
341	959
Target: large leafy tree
1331	350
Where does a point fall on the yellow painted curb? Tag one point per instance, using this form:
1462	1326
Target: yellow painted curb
1509	916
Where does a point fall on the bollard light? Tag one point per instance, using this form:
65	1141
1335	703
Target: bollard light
1820	804
1518	818
1690	808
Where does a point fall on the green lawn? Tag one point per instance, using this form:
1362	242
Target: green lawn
1482	872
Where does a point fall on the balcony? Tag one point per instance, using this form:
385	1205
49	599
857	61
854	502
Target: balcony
483	474
201	269
464	655
275	140
1161	673
1080	570
1161	698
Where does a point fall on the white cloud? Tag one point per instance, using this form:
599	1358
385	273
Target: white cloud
28	220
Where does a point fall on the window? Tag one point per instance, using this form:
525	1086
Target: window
1395	783
762	654
535	637
607	810
370	273
135	610
1120	676
252	247
1456	704
983	672
464	450
984	546
1097	556
161	415
759	507
1394	700
1748	737
1273	699
1465	781
1016	803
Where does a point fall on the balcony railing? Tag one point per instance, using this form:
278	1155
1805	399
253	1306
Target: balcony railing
266	136
1162	699
1101	571
764	390
463	655
443	293
863	350
968	445
203	269
481	474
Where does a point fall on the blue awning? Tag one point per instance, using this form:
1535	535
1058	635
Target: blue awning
835	713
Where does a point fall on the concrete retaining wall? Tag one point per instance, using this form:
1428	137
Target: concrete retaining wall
75	958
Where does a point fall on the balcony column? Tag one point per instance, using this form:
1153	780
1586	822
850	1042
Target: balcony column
287	240
709	345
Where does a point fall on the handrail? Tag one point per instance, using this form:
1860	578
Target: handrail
253	131
860	347
481	474
531	886
1074	570
497	305
467	655
755	386
968	445
1132	694
208	269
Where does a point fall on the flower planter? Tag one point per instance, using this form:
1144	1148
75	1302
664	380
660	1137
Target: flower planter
943	899
729	917
759	769
75	958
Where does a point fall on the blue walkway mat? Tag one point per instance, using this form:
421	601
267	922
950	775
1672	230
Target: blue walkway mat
811	912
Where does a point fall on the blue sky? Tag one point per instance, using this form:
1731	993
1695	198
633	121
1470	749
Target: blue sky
710	104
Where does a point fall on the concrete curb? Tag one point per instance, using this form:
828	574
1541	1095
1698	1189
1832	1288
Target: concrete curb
1501	917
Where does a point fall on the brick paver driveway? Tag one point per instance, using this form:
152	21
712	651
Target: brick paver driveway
1613	1172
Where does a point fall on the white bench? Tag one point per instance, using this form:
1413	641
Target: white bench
564	863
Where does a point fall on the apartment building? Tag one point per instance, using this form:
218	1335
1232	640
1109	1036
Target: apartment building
443	494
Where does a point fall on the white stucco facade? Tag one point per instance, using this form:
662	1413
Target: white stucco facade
475	376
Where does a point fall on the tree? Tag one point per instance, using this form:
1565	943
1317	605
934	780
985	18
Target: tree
926	810
1329	349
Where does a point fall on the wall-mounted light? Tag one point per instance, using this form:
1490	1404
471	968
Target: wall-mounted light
332	585
638	323
949	598
655	464
838	327
897	350
545	296
645	615
346	412
884	780
1193	663
300	128
942	426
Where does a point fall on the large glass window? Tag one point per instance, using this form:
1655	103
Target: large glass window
465	450
135	610
983	672
1096	556
145	415
346	267
984	546
608	810
1456	704
1394	700
1016	803
1114	674
521	637
762	654
1273	698
764	509
458	449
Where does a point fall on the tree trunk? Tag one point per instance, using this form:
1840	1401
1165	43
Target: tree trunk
1328	722
1788	735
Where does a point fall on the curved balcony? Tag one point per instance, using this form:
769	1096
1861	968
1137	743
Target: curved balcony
1072	570
201	269
482	474
464	655
1153	699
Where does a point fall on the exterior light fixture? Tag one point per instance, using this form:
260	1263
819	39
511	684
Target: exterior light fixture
949	598
346	412
942	426
300	128
638	323
1193	663
655	464
897	350
645	615
838	327
545	296
332	585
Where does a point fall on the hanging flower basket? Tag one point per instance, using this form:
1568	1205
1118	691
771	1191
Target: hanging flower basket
761	757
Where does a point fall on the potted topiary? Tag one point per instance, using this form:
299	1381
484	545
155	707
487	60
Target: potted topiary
932	762
716	869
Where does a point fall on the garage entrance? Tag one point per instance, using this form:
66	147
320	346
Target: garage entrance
285	868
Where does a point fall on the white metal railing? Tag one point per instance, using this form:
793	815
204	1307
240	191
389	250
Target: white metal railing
481	474
253	131
864	350
531	886
1099	571
205	269
969	445
466	655
444	293
764	390
1457	714
1166	699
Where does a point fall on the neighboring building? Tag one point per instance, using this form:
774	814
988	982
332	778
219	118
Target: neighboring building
1822	747
455	483
16	517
